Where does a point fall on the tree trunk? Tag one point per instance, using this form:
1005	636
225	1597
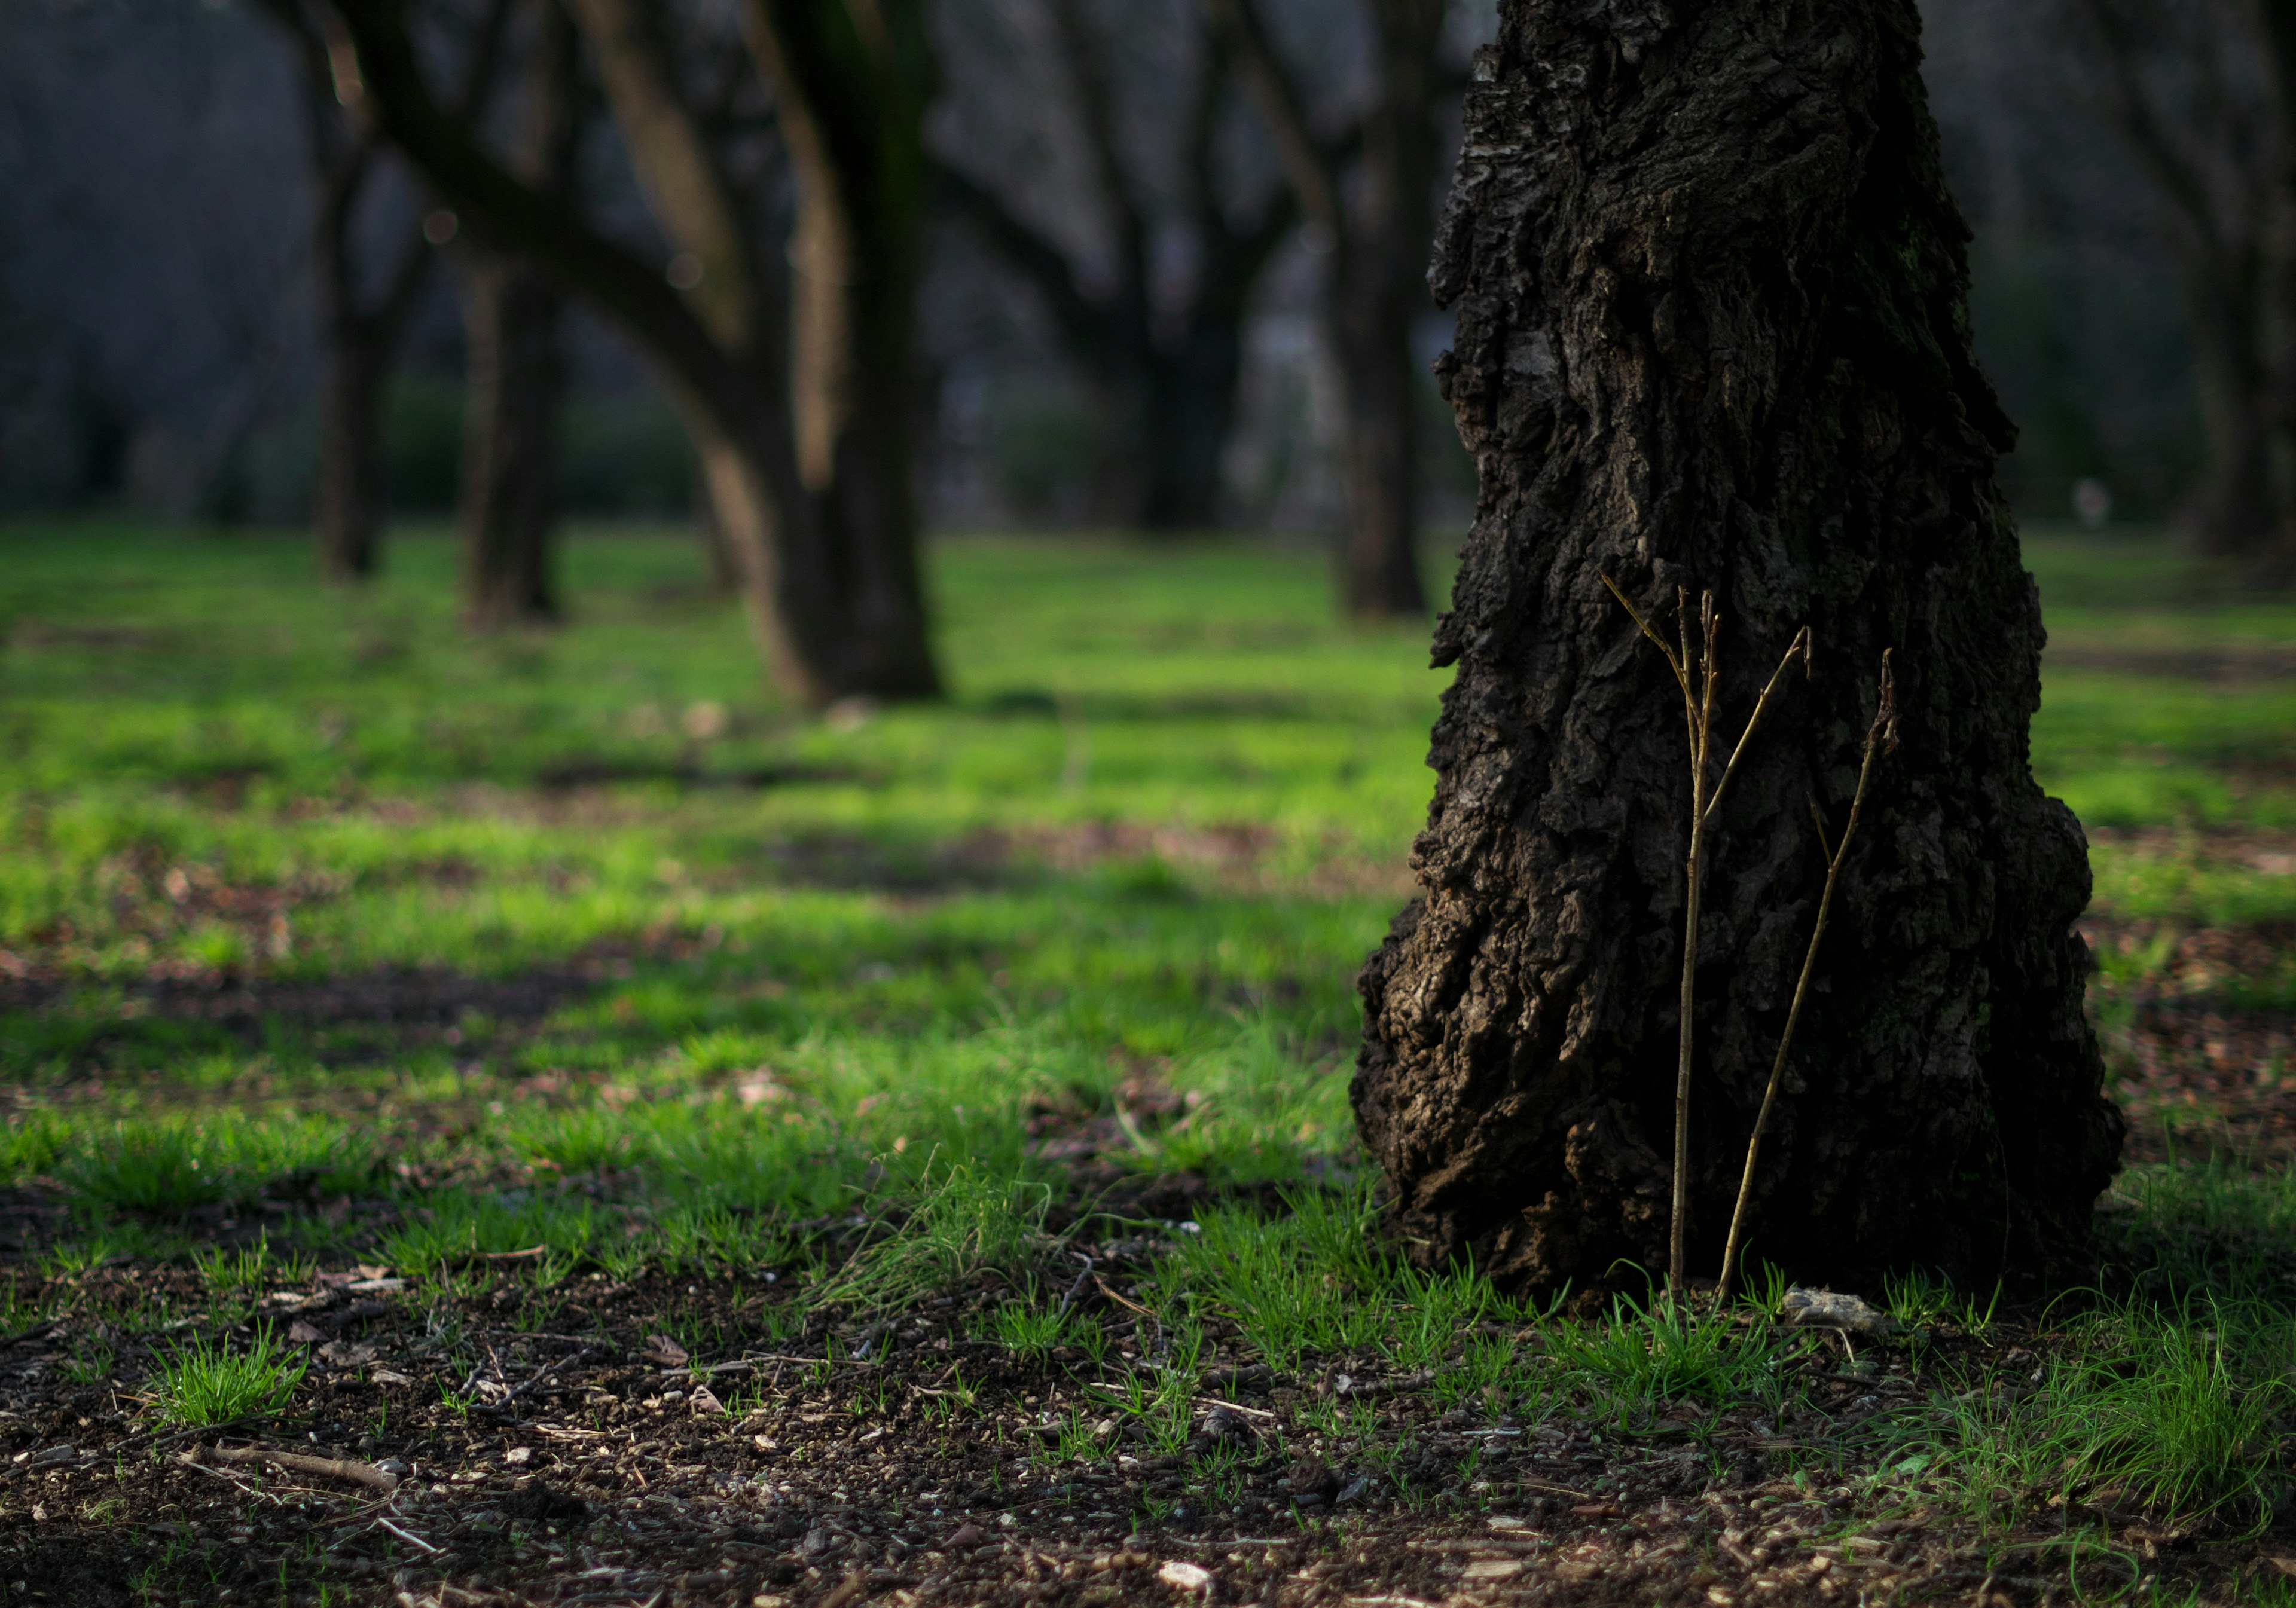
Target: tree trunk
2231	512
1378	290
514	372
799	413
1188	412
1713	335
1379	563
513	378
1374	211
346	501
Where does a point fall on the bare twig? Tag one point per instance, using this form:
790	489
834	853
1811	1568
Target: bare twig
1698	672
1881	737
407	1537
299	1463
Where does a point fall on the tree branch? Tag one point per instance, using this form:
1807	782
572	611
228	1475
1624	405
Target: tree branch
1028	252
1307	165
689	194
1095	101
542	228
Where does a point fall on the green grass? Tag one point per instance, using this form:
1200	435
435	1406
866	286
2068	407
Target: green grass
206	1382
802	999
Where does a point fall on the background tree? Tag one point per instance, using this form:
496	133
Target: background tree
788	350
514	364
2191	90
361	323
1368	188
1713	335
1162	364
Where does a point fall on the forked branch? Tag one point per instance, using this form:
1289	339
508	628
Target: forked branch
1698	672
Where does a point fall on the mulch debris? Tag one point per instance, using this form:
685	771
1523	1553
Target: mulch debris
516	1445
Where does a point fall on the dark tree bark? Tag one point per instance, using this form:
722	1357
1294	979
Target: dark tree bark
1712	334
792	360
1369	189
1164	379
514	367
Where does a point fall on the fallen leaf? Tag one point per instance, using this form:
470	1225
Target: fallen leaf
965	1538
705	1401
663	1350
305	1334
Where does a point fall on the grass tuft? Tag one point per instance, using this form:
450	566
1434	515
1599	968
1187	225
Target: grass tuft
967	1226
206	1384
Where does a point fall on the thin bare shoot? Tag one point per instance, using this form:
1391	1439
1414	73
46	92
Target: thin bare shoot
1881	737
1699	673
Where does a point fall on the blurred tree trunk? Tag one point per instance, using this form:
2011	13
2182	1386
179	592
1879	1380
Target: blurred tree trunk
792	367
1368	195
1164	378
515	375
515	370
1712	334
2173	85
360	331
360	342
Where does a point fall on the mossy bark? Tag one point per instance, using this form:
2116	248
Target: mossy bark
1712	334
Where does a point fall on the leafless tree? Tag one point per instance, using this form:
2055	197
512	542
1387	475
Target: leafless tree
1365	184
788	351
515	369
2193	92
1162	361
361	321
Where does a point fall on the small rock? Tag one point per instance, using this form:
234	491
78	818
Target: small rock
387	1376
965	1538
704	1401
1356	1490
1185	1577
393	1465
519	1454
1492	1568
55	1454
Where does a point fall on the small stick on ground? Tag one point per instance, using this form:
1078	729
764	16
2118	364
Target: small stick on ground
1881	737
301	1462
1698	715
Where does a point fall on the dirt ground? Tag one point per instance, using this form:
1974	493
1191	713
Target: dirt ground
909	1464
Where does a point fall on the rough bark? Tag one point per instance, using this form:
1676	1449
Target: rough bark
515	370
1163	378
1712	334
797	394
1368	189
